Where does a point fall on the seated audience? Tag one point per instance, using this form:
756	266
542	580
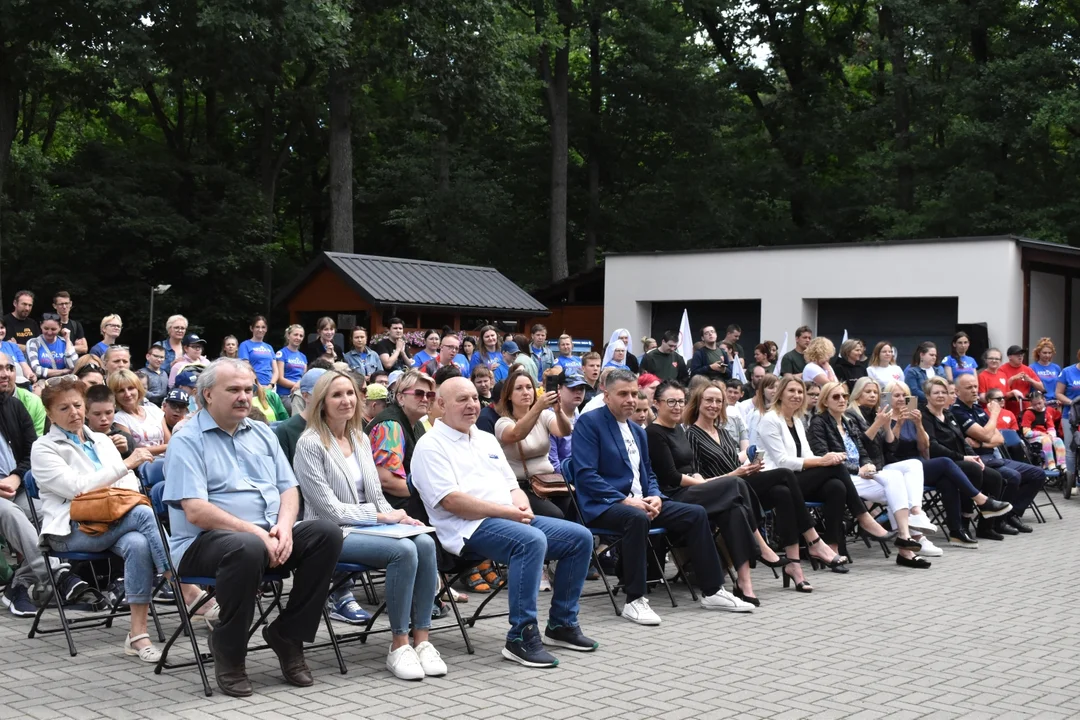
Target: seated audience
823	479
268	403
570	392
1043	424
711	359
288	433
233	507
394	433
116	358
322	346
732	420
617	489
566	358
71	460
144	422
727	499
360	357
375	401
230	347
813	394
339	483
290	364
1023	481
50	353
900	488
193	357
754	409
665	362
156	379
111	326
850	364
175	408
757	374
1021	380
958	363
186	381
882	367
1006	420
484	381
91	373
474	502
923	367
643	415
817	370
100	413
793	362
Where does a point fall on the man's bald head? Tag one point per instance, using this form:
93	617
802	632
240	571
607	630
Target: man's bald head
459	403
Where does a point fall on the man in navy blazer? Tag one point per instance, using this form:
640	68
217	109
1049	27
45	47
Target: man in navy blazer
617	490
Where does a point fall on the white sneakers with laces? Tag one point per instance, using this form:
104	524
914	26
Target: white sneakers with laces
639	612
723	600
405	663
921	522
430	660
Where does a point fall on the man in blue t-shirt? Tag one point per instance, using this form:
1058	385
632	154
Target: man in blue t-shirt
566	359
1023	481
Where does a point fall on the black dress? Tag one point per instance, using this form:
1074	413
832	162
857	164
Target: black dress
727	500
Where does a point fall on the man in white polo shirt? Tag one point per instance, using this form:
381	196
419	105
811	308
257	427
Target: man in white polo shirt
474	503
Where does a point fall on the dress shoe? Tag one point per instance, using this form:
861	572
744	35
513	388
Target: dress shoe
290	655
987	532
958	537
913	562
231	678
1005	528
1015	522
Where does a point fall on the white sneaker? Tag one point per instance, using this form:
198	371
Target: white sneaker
545	582
640	612
921	522
405	664
430	660
929	549
723	600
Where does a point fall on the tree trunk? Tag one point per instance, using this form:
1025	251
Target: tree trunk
557	89
341	163
9	120
905	172
595	106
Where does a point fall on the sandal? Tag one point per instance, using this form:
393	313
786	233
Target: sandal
459	597
491	575
836	561
476	583
148	653
210	612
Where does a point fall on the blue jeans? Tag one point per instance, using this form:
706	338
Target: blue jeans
412	577
525	548
134	538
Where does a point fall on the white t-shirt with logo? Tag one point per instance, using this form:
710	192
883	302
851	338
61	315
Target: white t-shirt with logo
635	459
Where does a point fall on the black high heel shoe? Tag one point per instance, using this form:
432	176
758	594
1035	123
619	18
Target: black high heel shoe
834	564
803	587
746	598
779	563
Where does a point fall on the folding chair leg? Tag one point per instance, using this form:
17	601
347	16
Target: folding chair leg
607	585
334	640
1052	503
457	613
185	626
60	610
678	566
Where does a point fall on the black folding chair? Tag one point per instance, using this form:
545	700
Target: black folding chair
1019	450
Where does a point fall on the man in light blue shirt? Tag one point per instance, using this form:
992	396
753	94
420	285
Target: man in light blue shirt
233	502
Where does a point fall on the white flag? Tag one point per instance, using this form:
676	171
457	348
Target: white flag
780	355
686	338
737	371
845	337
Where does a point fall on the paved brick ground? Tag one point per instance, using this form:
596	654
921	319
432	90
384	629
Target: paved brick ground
982	634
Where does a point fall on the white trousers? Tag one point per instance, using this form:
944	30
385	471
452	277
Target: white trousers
898	485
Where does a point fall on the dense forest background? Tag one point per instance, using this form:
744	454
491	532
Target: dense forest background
215	145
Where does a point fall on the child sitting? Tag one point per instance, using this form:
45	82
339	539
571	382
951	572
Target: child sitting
1042	423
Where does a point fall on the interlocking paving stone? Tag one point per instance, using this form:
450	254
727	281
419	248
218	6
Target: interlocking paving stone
983	634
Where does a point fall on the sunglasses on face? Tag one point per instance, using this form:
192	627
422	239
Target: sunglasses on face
838	396
50	316
421	394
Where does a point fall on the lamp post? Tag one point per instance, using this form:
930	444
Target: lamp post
154	290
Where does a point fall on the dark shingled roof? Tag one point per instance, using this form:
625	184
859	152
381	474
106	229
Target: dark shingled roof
422	283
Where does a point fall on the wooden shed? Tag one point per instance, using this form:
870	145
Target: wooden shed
576	306
368	290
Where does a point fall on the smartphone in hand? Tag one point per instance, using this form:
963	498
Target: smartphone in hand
551	383
751	453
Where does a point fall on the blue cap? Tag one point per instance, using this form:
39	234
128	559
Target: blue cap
179	397
307	382
574	380
510	346
186	379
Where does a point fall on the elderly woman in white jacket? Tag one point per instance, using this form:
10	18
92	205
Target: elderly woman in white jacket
71	460
822	479
337	476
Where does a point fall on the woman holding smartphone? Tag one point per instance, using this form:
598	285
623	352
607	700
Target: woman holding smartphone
727	500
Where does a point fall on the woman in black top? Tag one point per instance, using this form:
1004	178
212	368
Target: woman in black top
850	364
716	453
727	500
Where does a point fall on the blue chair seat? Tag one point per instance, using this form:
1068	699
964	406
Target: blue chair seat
209	581
352	568
81	555
619	533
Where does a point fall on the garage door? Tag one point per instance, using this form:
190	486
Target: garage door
905	322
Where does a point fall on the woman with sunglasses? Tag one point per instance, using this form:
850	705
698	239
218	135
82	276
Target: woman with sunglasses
834	431
51	354
822	478
111	325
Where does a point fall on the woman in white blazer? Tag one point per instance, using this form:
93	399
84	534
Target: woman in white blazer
71	460
822	479
337	477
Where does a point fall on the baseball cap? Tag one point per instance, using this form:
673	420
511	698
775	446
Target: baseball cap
574	380
377	391
186	379
394	377
307	382
178	396
193	339
510	346
1015	350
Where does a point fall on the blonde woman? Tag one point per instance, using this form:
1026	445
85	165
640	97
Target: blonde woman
176	328
339	482
817	354
143	421
290	364
111	325
753	409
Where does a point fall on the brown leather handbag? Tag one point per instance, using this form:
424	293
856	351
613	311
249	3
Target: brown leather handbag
96	510
545	485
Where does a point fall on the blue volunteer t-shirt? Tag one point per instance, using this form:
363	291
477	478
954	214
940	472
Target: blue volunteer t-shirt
261	357
1070	377
420	358
966	366
568	364
495	363
1049	376
295	363
52	356
99	350
12	351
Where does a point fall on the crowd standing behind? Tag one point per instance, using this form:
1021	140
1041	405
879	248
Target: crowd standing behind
473	434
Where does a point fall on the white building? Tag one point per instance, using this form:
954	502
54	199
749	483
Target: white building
904	291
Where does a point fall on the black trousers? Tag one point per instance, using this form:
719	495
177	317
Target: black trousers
832	487
779	491
689	526
1023	482
558	507
728	503
237	560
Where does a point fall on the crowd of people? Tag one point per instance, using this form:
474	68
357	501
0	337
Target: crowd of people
290	459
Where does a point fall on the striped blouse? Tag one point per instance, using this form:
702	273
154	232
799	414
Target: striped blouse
713	458
326	481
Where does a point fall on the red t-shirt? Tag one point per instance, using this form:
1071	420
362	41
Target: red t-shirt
1022	385
1049	420
988	380
1007	421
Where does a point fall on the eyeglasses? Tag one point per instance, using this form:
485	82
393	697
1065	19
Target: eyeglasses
421	394
675	402
838	396
49	382
999	398
113	325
